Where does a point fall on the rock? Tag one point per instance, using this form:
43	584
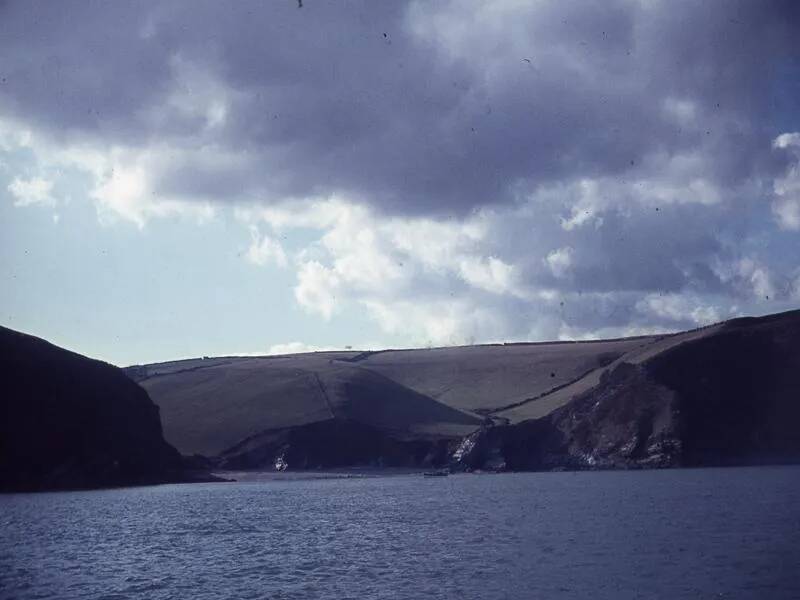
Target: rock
728	398
68	422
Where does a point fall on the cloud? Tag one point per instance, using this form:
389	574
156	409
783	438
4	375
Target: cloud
32	191
123	180
415	276
441	114
316	288
444	322
264	249
463	170
490	274
677	308
754	277
442	281
559	261
787	188
297	348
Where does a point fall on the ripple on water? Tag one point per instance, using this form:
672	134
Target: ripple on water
724	533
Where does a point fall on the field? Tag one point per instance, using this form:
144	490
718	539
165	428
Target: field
210	405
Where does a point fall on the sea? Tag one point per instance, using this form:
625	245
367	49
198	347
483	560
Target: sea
729	533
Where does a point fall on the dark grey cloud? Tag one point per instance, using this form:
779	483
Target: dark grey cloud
666	111
351	98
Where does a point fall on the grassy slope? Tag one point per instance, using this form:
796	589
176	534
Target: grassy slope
646	349
723	395
208	409
484	378
210	405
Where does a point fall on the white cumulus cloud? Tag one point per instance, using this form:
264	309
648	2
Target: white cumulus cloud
265	249
787	188
33	191
559	261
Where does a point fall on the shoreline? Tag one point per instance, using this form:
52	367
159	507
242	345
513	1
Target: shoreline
255	476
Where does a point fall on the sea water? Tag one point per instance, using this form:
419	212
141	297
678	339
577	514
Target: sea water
705	533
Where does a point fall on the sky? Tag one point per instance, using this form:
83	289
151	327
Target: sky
183	179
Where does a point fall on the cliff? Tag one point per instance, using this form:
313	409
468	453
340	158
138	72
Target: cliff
67	422
726	395
723	394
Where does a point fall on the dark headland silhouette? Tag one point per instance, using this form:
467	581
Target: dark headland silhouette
727	394
70	422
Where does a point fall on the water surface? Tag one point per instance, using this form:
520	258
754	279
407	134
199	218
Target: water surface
711	533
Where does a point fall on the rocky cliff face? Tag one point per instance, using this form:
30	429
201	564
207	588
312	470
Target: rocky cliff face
737	392
67	421
724	394
731	397
213	406
334	444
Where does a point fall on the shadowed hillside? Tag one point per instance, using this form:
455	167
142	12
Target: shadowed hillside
719	394
725	395
221	406
67	421
208	410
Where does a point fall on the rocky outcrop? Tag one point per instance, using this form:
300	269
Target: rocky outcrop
724	394
336	443
627	421
729	398
210	405
737	392
67	422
